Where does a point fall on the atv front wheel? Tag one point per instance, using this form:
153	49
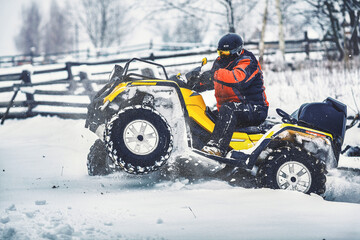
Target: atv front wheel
292	168
97	160
138	139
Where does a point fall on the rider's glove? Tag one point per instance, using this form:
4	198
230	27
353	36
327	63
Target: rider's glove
206	77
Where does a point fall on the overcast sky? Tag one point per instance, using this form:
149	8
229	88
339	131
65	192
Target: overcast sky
10	22
10	13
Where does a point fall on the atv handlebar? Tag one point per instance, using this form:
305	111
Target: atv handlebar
202	82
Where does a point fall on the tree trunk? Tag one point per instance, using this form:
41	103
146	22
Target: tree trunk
281	27
354	39
263	29
335	32
230	16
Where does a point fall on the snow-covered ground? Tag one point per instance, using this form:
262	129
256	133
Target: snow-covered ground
45	192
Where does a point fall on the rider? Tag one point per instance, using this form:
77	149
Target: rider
239	92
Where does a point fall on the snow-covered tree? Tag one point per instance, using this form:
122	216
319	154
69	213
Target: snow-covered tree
58	35
185	30
226	15
339	20
103	21
29	38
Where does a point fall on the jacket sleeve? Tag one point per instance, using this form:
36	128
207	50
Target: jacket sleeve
241	75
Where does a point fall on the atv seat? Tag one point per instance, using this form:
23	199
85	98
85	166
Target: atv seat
260	129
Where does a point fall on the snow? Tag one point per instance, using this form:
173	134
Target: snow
45	192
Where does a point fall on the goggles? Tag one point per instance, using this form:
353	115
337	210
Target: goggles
227	53
223	53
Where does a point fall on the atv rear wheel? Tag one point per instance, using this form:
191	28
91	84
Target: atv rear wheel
97	160
138	139
292	168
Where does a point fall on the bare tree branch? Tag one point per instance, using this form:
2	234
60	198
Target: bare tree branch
103	21
28	39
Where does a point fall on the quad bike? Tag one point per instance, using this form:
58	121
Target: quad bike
146	122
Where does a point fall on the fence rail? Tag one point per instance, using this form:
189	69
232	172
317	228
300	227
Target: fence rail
305	45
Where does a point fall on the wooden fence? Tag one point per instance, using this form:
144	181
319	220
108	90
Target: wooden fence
26	107
67	97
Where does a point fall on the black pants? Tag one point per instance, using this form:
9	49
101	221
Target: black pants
235	115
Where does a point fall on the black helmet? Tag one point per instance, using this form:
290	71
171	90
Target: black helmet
230	44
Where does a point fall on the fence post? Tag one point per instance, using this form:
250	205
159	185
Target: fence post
307	45
72	84
9	106
26	77
152	57
87	84
68	69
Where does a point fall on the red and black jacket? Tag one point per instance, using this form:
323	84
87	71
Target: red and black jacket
239	79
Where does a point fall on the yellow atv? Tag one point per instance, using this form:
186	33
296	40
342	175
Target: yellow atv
145	120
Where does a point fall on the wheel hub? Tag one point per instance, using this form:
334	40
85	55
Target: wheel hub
295	176
141	137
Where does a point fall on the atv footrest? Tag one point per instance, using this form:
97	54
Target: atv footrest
241	162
